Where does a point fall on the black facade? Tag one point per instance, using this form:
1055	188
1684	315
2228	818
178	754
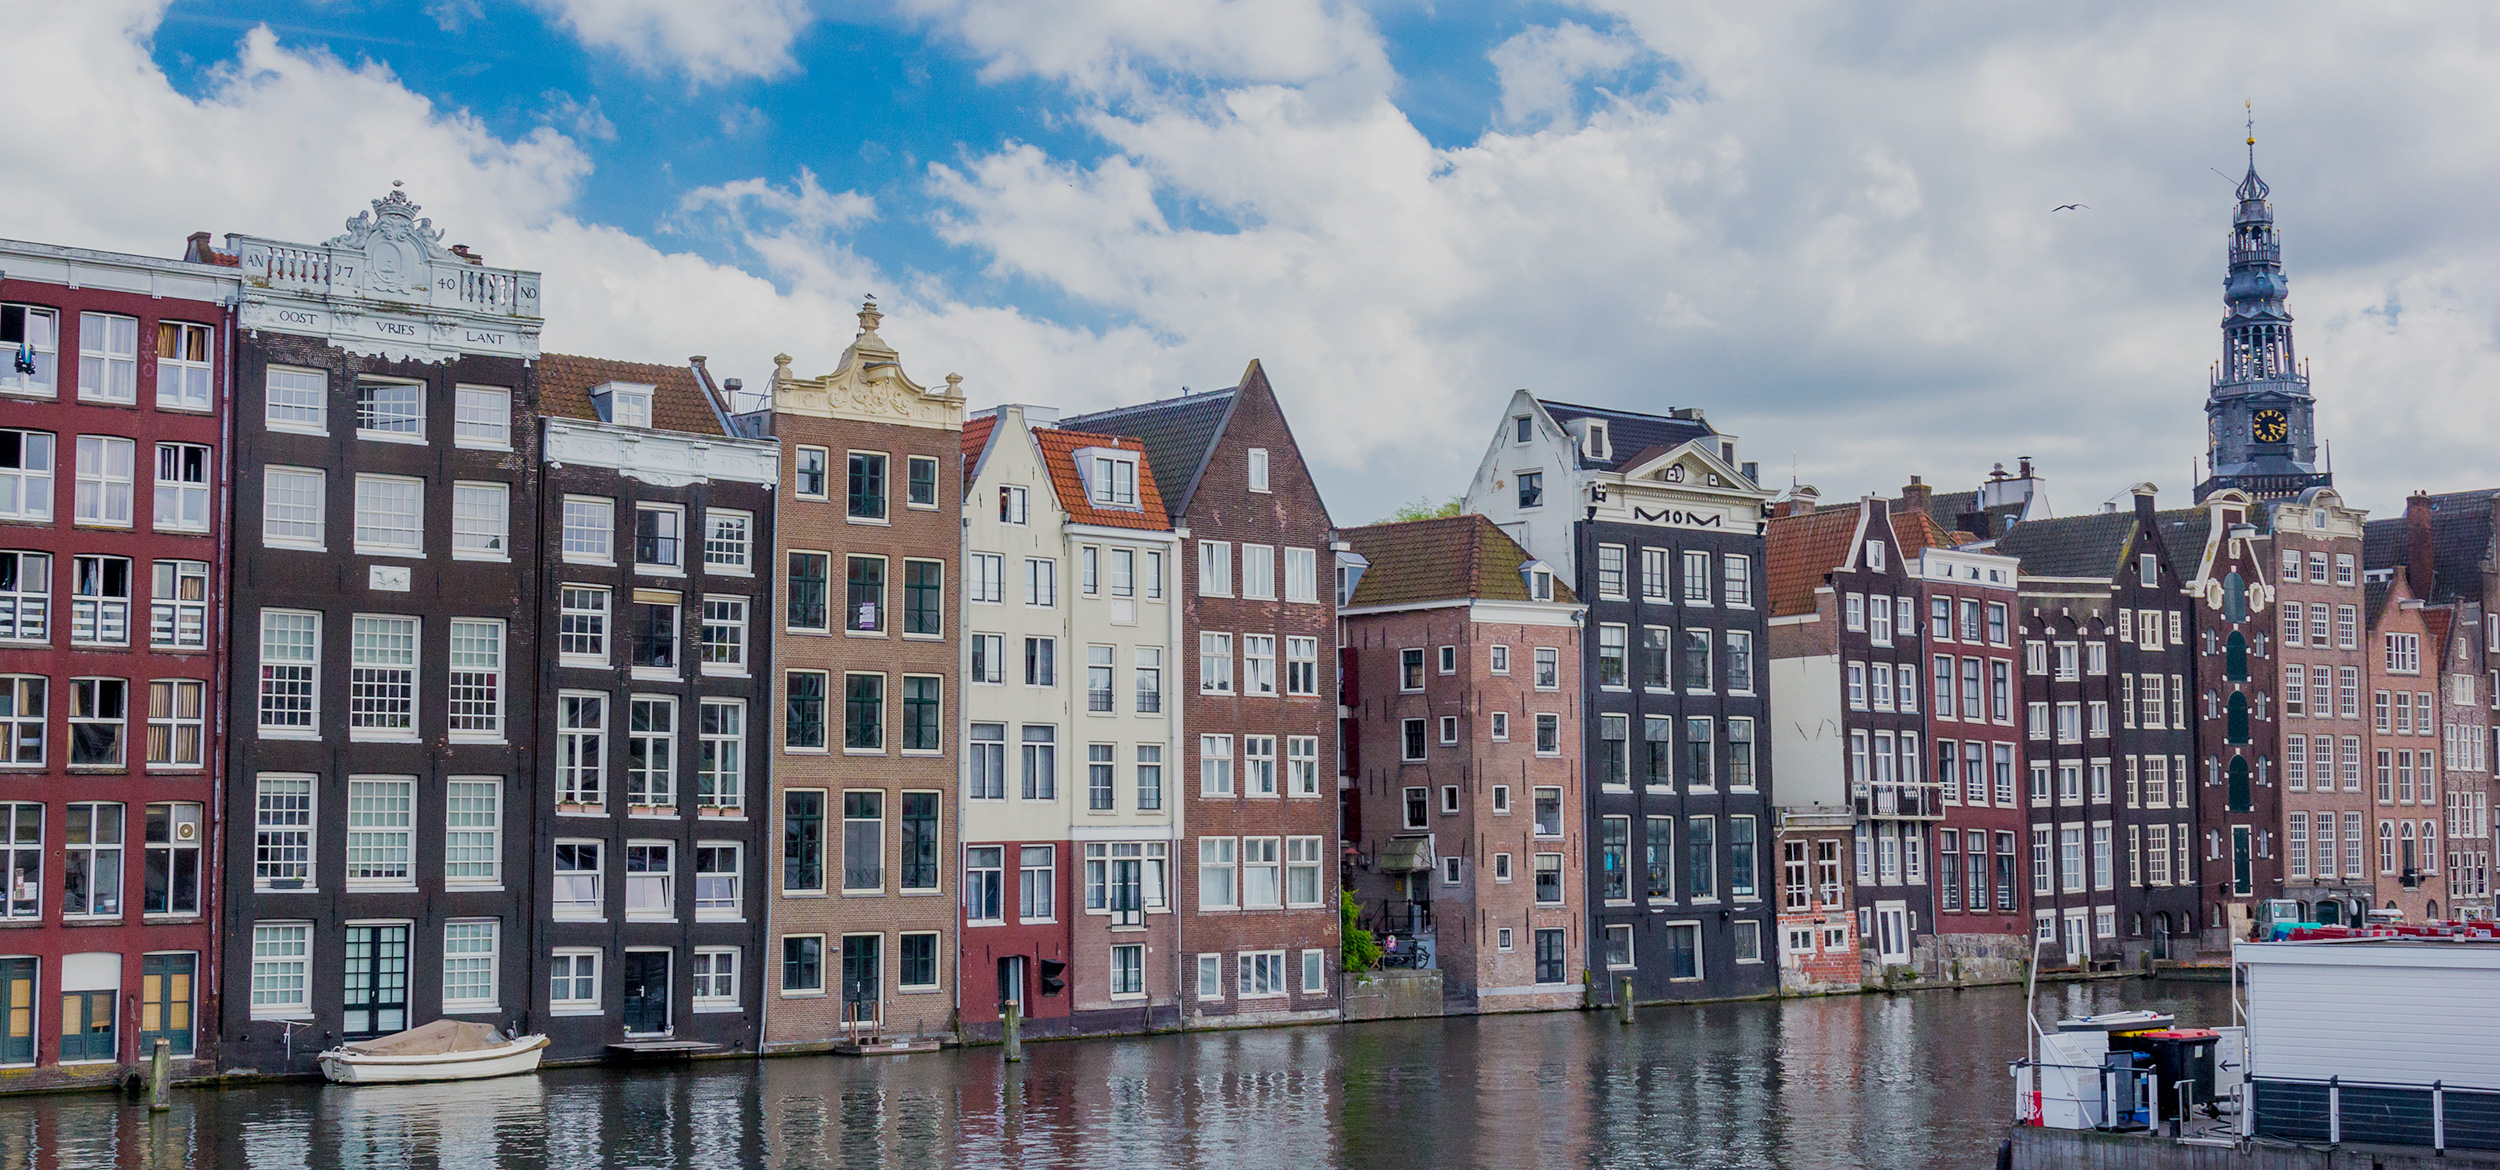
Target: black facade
1895	801
1685	944
2108	673
354	899
650	810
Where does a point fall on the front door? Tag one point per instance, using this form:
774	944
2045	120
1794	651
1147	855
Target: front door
165	1002
17	1011
646	991
87	1025
861	990
1892	933
376	981
2078	935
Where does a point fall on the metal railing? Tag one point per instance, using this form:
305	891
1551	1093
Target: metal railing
2337	1110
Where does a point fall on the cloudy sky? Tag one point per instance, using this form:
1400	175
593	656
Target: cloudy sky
1827	224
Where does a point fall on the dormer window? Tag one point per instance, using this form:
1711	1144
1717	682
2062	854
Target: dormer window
623	404
1540	581
1593	442
1110	478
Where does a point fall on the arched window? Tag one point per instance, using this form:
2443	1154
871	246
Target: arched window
2235	727
2235	658
2330	913
2240	799
2404	841
2234	598
2430	910
2387	850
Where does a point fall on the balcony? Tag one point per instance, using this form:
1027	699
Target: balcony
1901	802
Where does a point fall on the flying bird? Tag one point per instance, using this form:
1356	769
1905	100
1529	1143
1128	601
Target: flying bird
2070	207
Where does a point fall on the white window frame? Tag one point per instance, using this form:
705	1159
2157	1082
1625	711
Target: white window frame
377	525
481	521
481	418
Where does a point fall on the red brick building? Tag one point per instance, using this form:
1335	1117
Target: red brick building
1257	553
113	475
1471	829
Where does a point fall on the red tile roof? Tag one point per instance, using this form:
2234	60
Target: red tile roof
1800	551
1059	456
1457	558
678	402
976	440
1916	532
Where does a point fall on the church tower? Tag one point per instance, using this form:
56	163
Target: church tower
2261	432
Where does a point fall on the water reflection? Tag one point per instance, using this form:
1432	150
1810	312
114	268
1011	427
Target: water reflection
1909	1081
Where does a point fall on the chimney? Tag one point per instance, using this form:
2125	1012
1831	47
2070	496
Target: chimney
2025	463
1800	502
196	248
2418	544
1916	495
2144	493
462	251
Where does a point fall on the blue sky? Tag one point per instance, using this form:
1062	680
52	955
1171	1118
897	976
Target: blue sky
1826	224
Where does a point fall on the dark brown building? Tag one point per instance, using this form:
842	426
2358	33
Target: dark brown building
1259	705
650	813
380	860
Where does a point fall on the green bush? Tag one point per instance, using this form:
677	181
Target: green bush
1362	951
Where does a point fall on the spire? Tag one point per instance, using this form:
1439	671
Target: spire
2252	188
2260	433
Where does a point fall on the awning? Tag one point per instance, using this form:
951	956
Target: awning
1406	855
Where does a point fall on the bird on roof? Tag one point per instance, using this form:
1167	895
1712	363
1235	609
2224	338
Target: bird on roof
2069	207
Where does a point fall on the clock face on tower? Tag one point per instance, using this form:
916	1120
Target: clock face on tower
2269	427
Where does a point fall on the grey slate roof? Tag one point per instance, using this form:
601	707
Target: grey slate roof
1178	434
2461	530
2094	545
1630	435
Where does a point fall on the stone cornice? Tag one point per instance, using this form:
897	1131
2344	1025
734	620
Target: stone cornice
662	458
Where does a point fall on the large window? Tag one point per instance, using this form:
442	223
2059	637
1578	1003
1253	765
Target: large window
177	721
99	722
469	950
808	596
281	970
867	486
282	831
724	643
381	831
288	671
579	880
650	881
482	418
476	691
985	762
920	841
984	879
728	541
298	400
1219	862
1036	883
105	483
91	869
581	749
718	880
1040	761
651	753
170	873
582	625
108	358
472	831
803	841
177	609
390	515
589	530
863	840
924	597
33	334
382	678
21	860
659	537
26	469
863	712
26	596
803	718
390	410
481	521
99	605
923	717
182	471
865	591
720	761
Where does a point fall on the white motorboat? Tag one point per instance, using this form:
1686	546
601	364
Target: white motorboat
445	1050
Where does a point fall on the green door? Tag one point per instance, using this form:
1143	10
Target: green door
17	1011
87	1025
165	1002
376	981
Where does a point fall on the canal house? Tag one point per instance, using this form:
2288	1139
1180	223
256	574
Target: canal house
1652	523
1464	815
2321	668
653	587
382	762
863	763
1070	818
114	469
1257	700
2111	853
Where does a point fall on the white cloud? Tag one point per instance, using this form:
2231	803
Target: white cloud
290	143
710	41
1127	46
1542	69
1830	228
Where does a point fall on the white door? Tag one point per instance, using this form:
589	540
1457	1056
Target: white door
1892	933
2078	935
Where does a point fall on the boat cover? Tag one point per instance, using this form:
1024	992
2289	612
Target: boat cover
440	1038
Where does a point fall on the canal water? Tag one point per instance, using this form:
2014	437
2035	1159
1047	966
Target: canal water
1902	1082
